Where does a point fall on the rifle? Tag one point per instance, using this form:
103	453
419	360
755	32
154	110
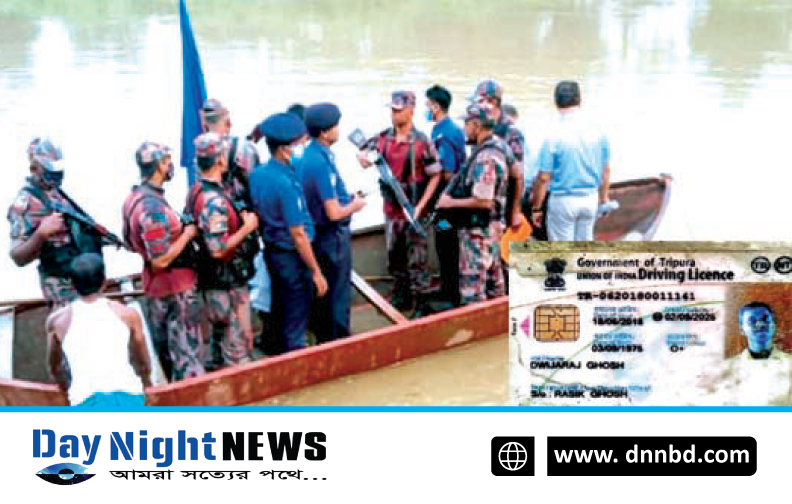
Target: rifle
78	214
386	176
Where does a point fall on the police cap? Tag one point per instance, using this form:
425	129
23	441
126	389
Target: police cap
283	128
322	116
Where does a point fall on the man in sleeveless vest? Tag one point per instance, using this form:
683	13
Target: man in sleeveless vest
478	198
39	231
97	349
156	232
413	160
223	228
287	229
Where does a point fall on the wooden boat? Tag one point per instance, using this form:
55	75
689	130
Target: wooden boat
382	335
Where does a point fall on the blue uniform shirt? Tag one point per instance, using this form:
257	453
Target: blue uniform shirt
451	149
575	153
321	181
279	202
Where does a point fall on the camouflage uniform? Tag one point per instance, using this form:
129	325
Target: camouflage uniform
480	266
217	220
25	216
173	307
245	159
505	129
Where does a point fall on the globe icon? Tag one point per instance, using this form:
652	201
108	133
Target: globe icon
512	456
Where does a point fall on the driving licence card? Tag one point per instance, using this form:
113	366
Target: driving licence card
650	323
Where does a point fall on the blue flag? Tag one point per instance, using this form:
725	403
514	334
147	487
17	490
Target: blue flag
194	91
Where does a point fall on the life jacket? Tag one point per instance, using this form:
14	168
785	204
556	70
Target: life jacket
56	261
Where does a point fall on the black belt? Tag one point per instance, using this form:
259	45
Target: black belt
275	248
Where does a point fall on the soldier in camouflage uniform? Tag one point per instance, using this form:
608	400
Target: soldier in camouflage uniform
477	195
155	231
243	157
490	93
223	229
38	231
413	159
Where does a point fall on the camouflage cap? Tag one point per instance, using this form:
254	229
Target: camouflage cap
212	110
42	152
479	112
246	156
208	145
151	152
402	99
488	89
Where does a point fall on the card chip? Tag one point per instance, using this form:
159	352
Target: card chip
557	323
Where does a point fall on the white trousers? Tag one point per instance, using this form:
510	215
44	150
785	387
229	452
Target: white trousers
571	217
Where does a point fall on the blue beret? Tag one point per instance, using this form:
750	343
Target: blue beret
322	116
283	128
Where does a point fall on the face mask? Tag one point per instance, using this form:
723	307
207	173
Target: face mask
429	116
52	178
297	154
171	172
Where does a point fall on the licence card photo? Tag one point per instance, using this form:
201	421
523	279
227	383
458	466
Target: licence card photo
650	324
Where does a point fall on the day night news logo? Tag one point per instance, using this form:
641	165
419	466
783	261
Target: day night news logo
131	446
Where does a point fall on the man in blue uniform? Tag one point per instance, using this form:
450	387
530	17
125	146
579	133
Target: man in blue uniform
450	144
287	229
331	208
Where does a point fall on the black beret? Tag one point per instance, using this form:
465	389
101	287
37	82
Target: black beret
283	128
322	116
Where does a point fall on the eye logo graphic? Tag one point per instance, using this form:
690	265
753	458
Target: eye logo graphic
64	474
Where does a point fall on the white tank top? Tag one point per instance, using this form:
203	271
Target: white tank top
97	349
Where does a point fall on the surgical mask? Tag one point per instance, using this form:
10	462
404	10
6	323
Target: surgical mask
171	172
52	178
429	116
297	154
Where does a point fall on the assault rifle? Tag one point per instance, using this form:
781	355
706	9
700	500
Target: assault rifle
386	176
78	214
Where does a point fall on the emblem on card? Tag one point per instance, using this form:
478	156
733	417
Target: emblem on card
555	268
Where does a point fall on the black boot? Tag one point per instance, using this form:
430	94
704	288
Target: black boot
422	307
402	299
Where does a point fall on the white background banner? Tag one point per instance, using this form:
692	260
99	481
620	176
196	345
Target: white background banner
396	456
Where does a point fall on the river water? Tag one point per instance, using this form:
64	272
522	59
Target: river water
698	89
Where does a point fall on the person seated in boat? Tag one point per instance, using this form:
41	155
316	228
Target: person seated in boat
242	158
156	232
38	229
287	229
331	208
223	271
449	140
478	199
97	350
574	165
413	159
